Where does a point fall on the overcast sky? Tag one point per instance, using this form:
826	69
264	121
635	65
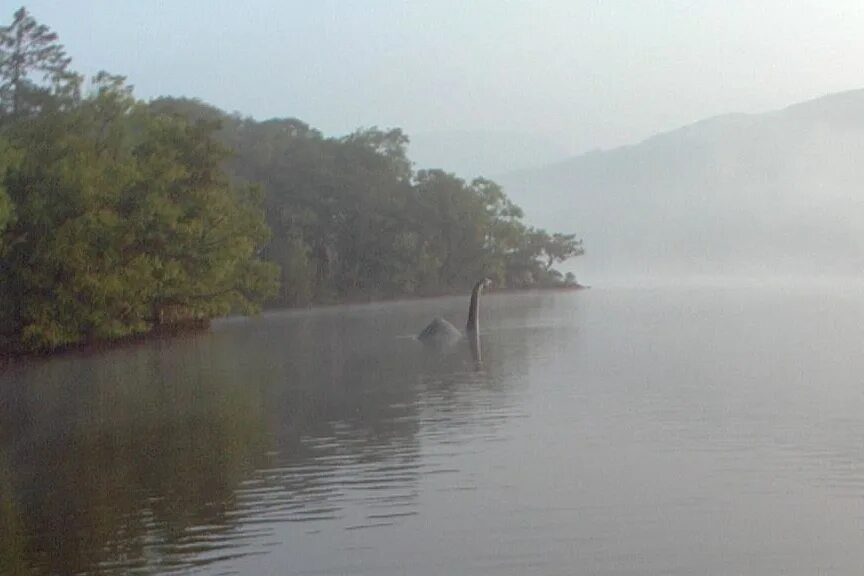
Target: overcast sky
589	74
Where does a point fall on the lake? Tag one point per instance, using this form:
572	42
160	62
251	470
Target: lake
616	431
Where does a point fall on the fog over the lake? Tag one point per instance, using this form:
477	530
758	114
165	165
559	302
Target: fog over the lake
560	101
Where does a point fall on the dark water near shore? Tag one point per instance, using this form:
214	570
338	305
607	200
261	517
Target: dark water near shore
602	432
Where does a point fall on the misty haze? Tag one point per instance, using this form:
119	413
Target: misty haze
486	287
747	196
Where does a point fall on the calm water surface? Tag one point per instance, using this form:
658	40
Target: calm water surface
601	432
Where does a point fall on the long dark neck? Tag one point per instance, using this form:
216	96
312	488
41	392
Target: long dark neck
474	308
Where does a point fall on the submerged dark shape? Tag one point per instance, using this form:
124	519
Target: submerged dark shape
440	331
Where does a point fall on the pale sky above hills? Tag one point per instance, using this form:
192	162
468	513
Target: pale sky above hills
585	74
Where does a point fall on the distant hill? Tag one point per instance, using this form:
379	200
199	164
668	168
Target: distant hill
780	193
469	154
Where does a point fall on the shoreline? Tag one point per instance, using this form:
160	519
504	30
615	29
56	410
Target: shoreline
412	297
9	356
160	332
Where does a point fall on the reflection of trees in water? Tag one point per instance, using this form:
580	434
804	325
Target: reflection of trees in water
12	541
183	452
110	459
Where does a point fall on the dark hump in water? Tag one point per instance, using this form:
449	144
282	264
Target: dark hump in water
439	331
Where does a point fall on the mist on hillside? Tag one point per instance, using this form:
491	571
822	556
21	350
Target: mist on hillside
749	197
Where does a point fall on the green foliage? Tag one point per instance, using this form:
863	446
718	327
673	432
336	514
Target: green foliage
124	220
118	216
350	218
201	233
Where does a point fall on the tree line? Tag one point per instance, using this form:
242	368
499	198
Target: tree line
118	216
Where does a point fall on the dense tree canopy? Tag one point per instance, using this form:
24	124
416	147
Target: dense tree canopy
118	216
34	69
350	218
115	218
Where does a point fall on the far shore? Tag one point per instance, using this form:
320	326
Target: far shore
425	296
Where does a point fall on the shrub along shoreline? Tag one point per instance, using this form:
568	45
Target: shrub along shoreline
11	352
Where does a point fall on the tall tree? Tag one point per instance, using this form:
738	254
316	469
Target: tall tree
33	66
559	247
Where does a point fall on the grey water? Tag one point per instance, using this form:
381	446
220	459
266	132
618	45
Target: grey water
667	431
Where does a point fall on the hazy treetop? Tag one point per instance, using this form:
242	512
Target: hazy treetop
588	73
